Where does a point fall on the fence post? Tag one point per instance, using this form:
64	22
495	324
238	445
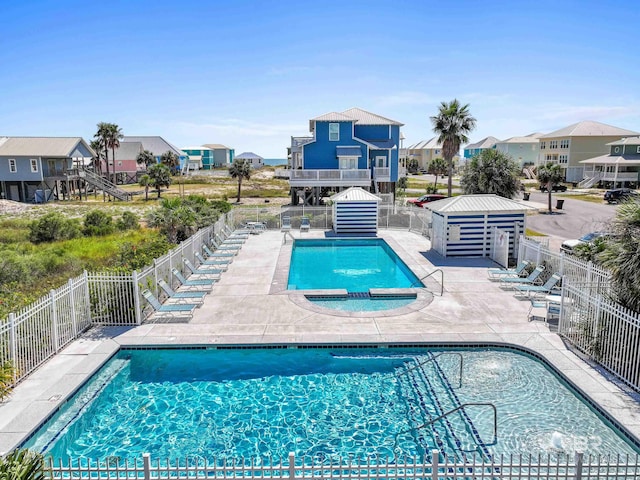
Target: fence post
435	459
292	466
146	461
72	299
136	297
54	319
13	348
578	459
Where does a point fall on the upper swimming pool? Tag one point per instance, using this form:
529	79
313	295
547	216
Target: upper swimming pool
352	264
325	403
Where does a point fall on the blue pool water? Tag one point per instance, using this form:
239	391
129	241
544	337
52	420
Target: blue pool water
366	304
322	402
352	264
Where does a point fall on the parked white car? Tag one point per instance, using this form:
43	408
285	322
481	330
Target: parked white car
568	245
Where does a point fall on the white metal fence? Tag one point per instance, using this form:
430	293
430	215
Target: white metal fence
437	467
37	332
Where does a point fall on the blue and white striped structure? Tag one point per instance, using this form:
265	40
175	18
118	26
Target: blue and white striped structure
462	226
355	211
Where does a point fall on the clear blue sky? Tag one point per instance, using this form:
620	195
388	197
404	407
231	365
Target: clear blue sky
250	74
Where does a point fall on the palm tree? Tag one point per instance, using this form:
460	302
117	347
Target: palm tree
174	219
452	124
160	176
550	175
113	142
96	146
22	465
171	160
145	158
240	169
491	171
145	181
102	136
436	167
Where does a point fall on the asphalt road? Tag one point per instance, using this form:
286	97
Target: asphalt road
576	218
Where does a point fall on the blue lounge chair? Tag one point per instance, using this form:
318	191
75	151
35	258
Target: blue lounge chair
305	225
239	233
545	289
197	284
508	272
201	271
169	310
219	246
222	264
551	310
230	241
286	224
532	279
192	295
226	256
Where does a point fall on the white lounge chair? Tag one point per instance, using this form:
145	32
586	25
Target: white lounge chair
286	224
221	264
223	255
305	225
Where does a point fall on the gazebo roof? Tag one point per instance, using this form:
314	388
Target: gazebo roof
354	194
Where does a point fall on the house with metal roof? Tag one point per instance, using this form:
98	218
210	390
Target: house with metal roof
523	150
126	162
619	168
473	149
38	169
354	148
570	145
425	151
157	145
222	155
484	225
256	161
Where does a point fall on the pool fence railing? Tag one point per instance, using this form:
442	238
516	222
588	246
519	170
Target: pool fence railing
436	466
35	333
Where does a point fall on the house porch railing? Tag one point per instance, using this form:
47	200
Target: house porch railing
330	177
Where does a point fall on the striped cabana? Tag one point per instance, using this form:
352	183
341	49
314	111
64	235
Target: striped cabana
355	211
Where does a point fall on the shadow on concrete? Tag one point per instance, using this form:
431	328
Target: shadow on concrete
438	260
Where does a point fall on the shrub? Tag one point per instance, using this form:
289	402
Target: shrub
53	226
134	257
128	221
97	224
6	379
14	267
22	465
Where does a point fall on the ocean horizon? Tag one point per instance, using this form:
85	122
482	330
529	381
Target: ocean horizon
274	161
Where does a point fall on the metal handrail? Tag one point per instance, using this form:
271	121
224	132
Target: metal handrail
433	358
441	279
461	407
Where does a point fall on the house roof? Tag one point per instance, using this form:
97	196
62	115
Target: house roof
526	139
486	142
333	117
382	143
632	159
128	150
216	146
248	156
590	128
41	146
367	118
196	147
155	144
626	141
426	145
354	194
477	203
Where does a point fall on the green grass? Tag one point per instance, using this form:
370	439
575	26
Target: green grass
533	233
585	197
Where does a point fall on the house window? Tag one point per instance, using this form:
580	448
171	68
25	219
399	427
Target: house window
551	158
334	132
543	145
638	149
616	150
564	143
12	165
34	165
562	159
553	144
348	163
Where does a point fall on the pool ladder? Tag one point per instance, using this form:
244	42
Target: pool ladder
431	273
454	410
432	358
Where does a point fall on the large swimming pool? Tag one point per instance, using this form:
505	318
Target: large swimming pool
322	403
356	265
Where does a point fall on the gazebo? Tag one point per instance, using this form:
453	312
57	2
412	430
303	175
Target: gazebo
355	211
477	225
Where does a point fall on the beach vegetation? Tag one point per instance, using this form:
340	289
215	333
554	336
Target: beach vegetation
491	171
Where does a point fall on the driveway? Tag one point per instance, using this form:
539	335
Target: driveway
576	218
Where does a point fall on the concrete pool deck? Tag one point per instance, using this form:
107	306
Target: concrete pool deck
250	305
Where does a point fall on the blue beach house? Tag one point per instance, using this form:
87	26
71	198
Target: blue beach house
354	148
